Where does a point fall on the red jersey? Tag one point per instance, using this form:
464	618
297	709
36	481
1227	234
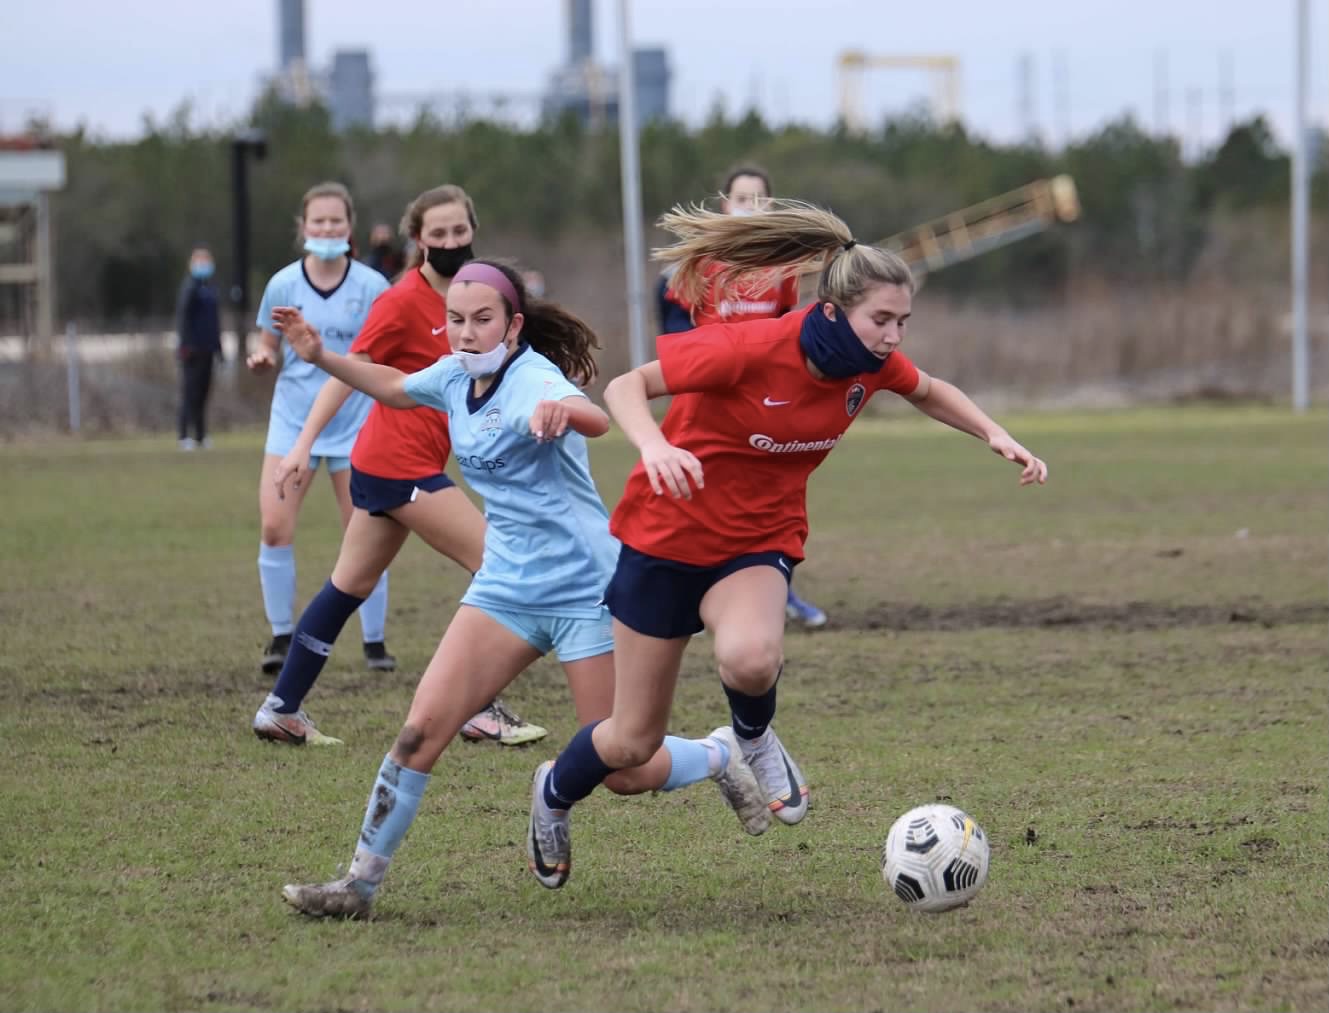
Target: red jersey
743	302
759	423
406	329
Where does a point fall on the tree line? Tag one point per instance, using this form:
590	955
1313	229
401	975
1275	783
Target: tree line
132	210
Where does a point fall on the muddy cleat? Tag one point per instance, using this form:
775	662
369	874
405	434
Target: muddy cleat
800	611
498	724
338	899
293	729
738	784
377	657
274	655
549	837
780	779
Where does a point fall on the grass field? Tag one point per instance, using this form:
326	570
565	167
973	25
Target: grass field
1122	675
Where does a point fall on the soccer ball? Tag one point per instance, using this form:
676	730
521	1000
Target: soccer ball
935	858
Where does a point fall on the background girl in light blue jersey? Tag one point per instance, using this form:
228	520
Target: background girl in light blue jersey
334	293
518	428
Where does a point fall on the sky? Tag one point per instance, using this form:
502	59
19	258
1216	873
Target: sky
106	65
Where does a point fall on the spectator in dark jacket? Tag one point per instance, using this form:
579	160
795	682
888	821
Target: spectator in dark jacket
198	325
385	253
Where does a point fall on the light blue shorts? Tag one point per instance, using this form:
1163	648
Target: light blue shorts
335	464
282	436
570	639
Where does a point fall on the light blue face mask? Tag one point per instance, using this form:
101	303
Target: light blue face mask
326	249
203	269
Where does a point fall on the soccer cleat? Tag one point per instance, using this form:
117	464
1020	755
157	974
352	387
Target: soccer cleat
274	655
738	784
549	837
338	899
804	612
498	724
377	657
785	789
293	729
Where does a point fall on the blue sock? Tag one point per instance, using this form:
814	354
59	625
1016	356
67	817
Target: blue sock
276	575
752	715
393	802
693	760
576	772
319	626
374	612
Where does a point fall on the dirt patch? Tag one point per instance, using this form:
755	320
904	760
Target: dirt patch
1045	613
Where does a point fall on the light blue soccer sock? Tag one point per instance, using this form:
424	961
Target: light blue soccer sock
693	760
392	806
374	612
276	575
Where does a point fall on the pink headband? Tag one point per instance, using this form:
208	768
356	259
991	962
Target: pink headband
487	274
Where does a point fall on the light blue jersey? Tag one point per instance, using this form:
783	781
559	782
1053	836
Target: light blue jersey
548	549
338	317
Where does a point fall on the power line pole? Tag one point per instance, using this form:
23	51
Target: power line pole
1161	125
634	243
1301	397
1026	111
1226	93
1061	95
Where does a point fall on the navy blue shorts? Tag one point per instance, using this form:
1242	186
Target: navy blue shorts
662	598
379	495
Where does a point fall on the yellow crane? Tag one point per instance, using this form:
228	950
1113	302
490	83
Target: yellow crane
854	63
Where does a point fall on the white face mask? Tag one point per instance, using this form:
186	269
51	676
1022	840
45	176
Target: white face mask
742	212
482	364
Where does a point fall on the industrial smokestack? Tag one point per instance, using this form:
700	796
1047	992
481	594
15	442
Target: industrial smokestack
581	32
291	32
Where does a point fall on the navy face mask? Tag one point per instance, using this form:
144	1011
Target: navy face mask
833	347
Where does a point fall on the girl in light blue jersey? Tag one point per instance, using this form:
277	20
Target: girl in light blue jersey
333	293
518	427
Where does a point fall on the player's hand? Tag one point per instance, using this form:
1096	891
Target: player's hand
293	468
1032	469
261	359
549	421
669	468
298	332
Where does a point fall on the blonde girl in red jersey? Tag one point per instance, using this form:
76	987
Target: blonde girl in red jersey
398	485
747	191
713	518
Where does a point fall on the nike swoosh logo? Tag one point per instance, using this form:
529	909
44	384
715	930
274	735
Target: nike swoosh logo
772	404
783	565
438	330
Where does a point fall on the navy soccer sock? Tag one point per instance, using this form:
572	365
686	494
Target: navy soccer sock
315	634
752	715
576	772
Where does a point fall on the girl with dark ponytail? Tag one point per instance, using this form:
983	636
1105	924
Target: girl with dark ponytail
519	423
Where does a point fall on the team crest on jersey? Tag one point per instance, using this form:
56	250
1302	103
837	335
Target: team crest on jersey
492	422
853	399
355	306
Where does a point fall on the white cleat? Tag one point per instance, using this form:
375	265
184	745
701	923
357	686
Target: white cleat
549	837
293	729
338	899
782	782
738	784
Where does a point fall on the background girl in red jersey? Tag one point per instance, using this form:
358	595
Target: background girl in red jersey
747	191
714	518
397	481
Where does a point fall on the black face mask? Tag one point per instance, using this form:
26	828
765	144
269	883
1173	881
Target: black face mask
448	262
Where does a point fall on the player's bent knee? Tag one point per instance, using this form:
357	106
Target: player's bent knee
751	666
276	536
623	752
410	741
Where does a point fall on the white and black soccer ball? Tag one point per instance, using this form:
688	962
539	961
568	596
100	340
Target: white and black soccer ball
935	858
